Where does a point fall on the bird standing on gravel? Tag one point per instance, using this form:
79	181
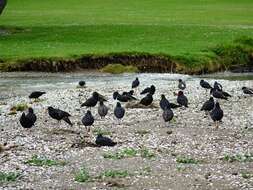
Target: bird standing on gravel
82	83
147	100
36	94
119	111
102	109
208	105
204	84
104	141
88	120
168	115
216	114
135	83
59	115
182	99
164	103
92	101
218	94
247	90
27	121
181	84
123	98
150	90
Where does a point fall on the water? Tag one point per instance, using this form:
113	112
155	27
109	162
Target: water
23	83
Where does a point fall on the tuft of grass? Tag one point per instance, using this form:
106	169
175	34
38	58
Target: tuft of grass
145	153
186	160
37	161
118	69
82	176
115	174
98	131
125	153
19	107
239	158
7	177
246	175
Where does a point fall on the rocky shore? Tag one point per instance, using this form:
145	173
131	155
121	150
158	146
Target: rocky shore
189	154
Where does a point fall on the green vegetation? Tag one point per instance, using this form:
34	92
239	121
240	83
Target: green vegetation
37	161
115	174
98	131
19	107
247	175
188	30
118	69
186	160
7	177
82	176
248	157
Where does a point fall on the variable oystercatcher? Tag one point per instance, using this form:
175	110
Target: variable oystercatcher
59	115
167	115
88	120
135	83
182	99
119	111
208	105
217	86
92	101
216	114
150	90
129	95
181	84
102	109
36	94
82	83
27	121
122	98
204	84
247	90
218	94
104	141
164	103
147	100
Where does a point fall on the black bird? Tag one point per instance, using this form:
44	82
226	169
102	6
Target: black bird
36	94
122	98
92	101
135	83
217	86
247	90
226	94
88	120
119	111
102	109
164	103
182	99
218	94
27	121
181	84
150	90
173	106
216	114
147	100
82	83
208	105
104	141
205	84
168	115
59	115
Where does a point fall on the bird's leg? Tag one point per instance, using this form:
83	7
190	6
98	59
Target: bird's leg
216	125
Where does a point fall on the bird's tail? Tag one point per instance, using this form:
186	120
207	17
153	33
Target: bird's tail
67	120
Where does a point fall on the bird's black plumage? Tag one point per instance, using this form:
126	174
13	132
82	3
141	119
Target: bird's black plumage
218	94
92	101
88	120
164	102
173	106
102	109
247	90
147	100
182	99
150	90
27	121
181	84
104	141
36	94
59	115
82	83
217	113
205	84
208	105
135	83
168	115
119	111
119	97
217	86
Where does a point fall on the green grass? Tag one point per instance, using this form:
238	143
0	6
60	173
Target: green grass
8	177
82	176
186	160
115	174
100	131
37	161
247	157
19	107
73	27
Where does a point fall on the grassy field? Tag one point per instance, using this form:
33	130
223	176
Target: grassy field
54	28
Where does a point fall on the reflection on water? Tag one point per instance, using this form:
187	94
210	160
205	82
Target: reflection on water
21	83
